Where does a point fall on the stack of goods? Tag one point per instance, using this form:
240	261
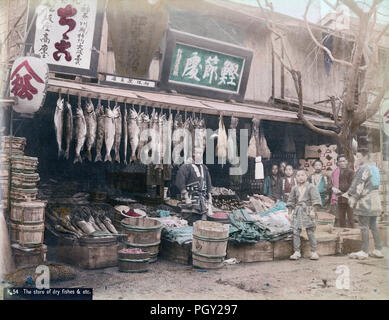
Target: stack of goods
24	178
8	151
27	222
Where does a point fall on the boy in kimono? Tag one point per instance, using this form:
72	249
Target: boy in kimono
364	197
321	181
287	182
303	202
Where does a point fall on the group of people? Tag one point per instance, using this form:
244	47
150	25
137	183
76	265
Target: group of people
350	192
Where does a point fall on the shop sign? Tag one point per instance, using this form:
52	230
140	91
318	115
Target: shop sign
28	83
205	67
131	83
66	34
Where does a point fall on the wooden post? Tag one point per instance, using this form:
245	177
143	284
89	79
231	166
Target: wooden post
272	75
282	75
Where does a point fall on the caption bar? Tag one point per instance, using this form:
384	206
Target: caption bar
48	294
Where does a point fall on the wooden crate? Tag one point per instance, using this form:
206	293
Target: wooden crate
326	245
255	252
89	256
283	249
350	240
28	257
173	251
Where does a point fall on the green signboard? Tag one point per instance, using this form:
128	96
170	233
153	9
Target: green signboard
204	67
200	67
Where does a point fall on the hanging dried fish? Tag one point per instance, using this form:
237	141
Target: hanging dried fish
125	133
58	124
100	130
118	132
232	141
133	132
80	133
91	126
109	132
221	147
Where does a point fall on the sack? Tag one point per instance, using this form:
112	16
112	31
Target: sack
375	177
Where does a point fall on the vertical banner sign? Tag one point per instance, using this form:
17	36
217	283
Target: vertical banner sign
28	83
205	67
66	34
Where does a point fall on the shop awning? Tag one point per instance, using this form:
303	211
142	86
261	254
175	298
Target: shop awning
185	103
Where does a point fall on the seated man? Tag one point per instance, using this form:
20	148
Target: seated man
272	186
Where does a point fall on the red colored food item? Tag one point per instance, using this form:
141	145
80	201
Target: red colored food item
220	215
131	213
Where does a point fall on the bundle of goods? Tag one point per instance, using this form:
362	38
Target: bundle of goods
218	191
258	203
13	145
9	150
227	203
79	221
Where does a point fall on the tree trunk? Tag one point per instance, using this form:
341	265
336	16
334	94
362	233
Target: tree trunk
345	142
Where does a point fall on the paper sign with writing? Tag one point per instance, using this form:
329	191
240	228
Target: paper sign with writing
67	34
28	83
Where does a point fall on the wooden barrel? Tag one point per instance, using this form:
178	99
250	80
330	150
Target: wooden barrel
143	233
133	262
32	212
209	245
27	235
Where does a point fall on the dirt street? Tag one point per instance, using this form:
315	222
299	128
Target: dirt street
303	279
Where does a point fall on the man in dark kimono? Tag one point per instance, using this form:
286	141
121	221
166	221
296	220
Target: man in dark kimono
364	197
303	202
342	178
272	186
194	183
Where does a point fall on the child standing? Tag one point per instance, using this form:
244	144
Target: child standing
303	201
321	181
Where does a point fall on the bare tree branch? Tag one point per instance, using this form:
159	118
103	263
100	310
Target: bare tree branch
329	53
353	7
361	116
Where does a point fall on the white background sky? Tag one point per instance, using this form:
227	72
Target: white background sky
319	9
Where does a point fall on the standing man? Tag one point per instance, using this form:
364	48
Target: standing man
363	196
321	181
342	178
272	186
288	182
194	183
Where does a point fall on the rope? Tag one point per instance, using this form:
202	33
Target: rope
210	239
208	255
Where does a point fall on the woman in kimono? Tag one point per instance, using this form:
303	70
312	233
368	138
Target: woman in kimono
364	197
303	202
322	182
272	186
